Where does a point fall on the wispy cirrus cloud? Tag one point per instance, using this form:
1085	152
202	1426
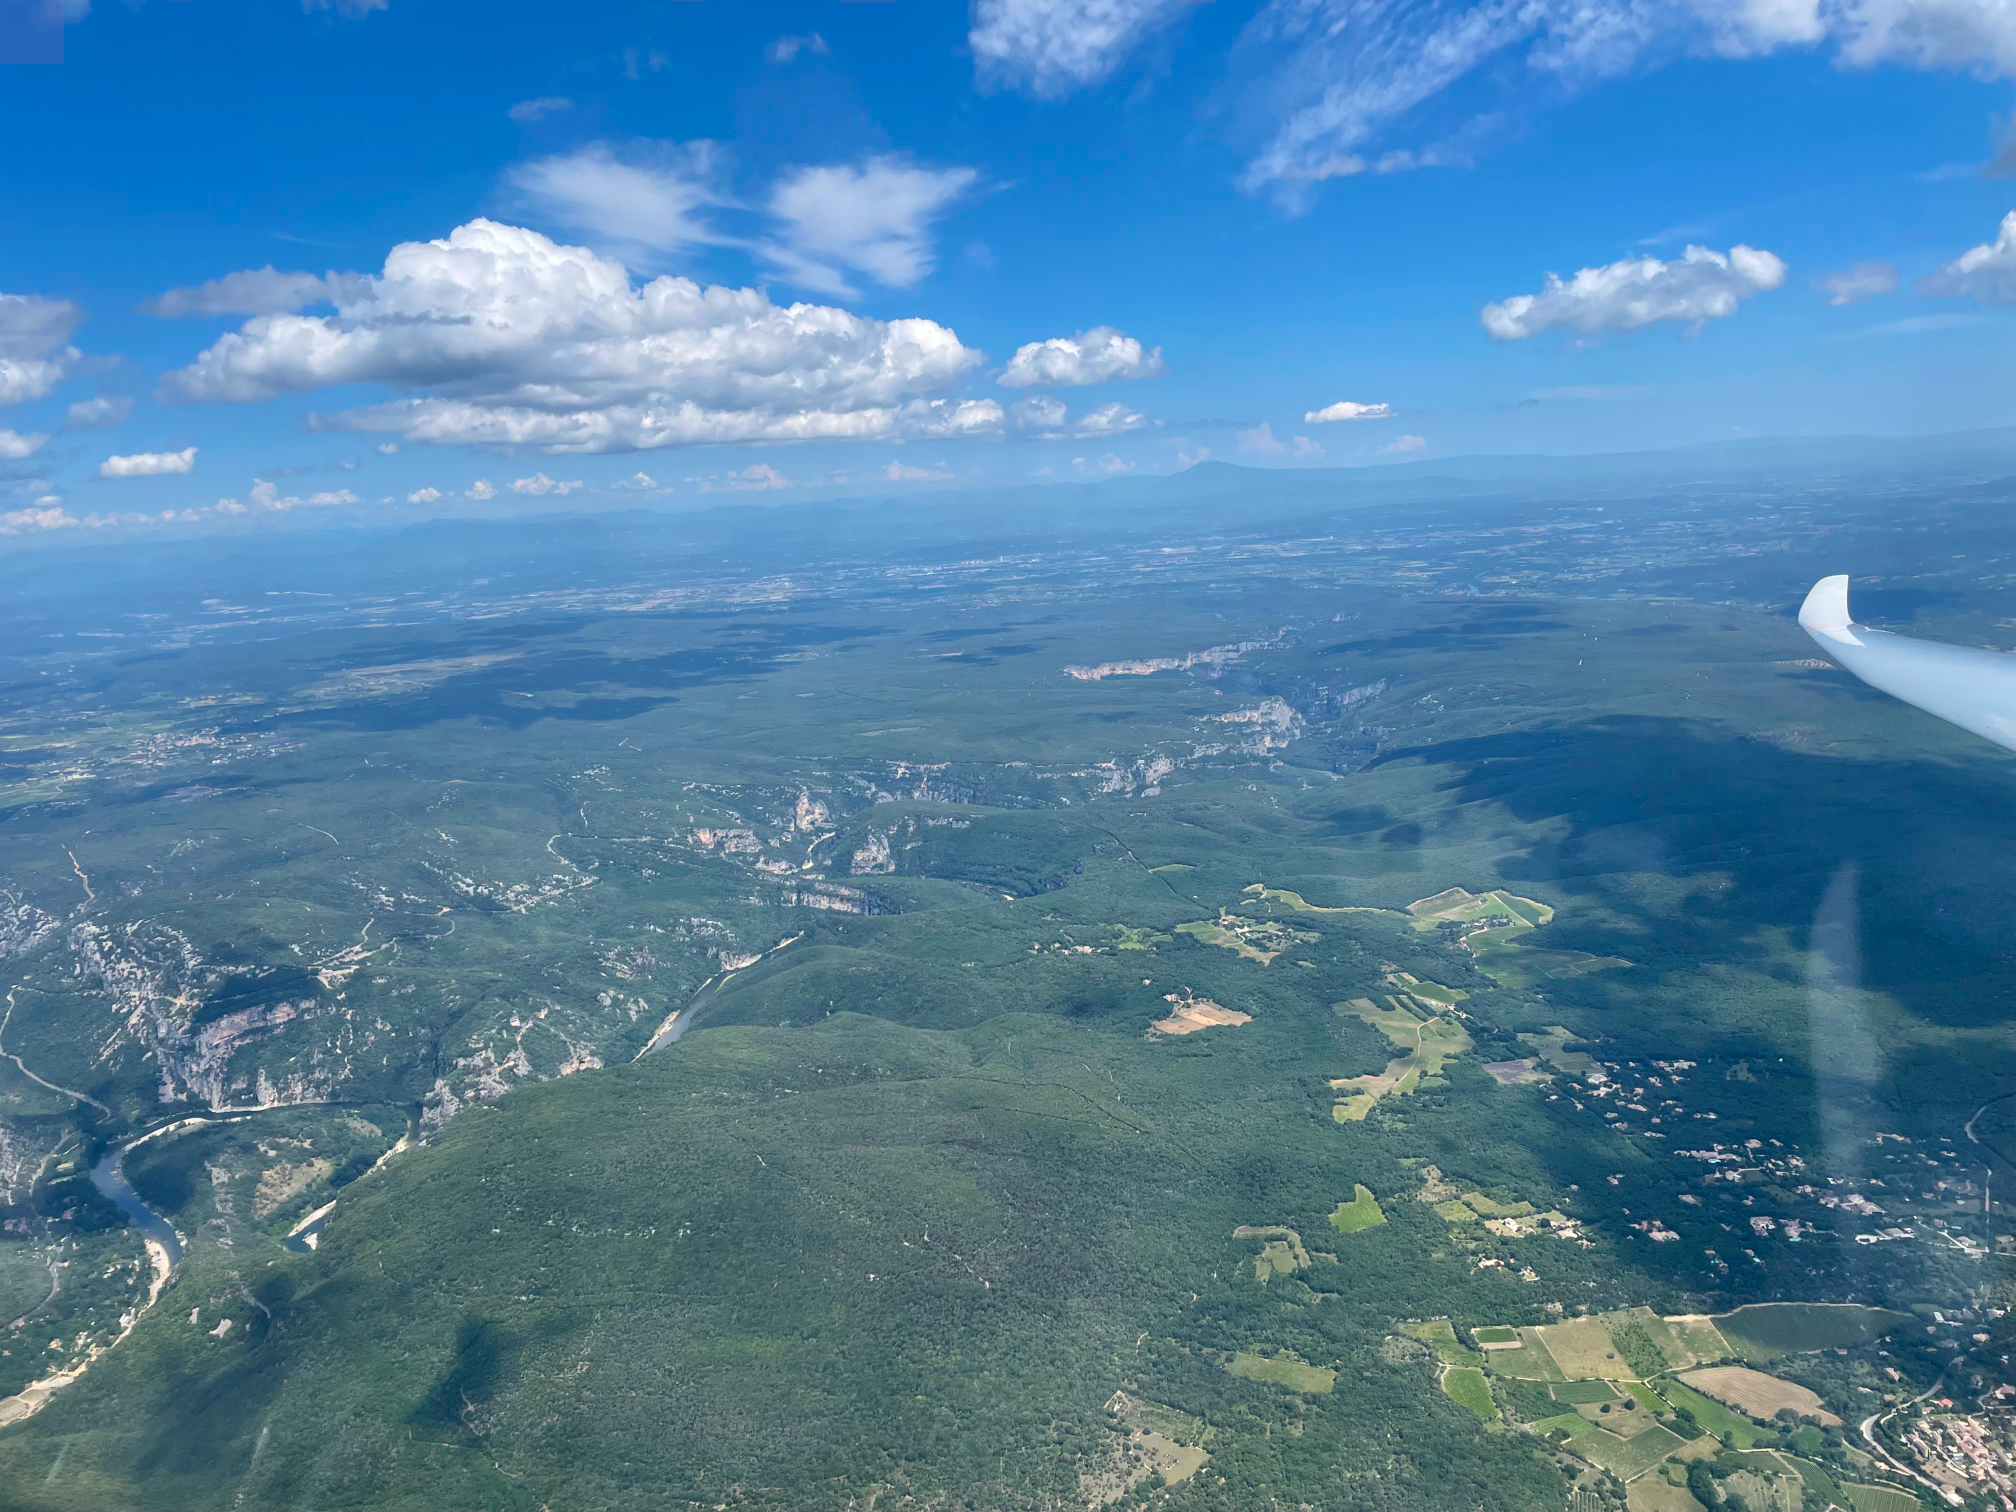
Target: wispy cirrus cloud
539	109
1054	47
100	413
1864	280
645	202
255	291
819	226
1336	88
875	218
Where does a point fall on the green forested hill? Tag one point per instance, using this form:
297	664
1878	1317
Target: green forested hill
807	1266
1042	950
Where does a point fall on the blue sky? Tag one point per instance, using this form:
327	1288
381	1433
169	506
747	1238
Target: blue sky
534	256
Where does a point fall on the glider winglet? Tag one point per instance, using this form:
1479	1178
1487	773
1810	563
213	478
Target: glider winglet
1963	685
1826	606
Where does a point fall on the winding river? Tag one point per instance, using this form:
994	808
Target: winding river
107	1177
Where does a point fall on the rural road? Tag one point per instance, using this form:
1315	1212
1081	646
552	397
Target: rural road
1868	1430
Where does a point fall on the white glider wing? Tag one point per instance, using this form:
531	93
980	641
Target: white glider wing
1973	689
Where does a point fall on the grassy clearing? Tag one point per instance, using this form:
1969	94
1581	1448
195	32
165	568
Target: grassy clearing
1157	1417
1468	1388
1428	1045
1571	1423
1282	1254
1484	1207
1460	907
1361	1212
1440	1335
1283	1370
1294	900
1277	1259
1496	946
1253	939
1433	992
1765	1331
1549	1042
1495	1333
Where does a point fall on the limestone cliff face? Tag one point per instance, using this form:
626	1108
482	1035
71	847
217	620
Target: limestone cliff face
873	857
156	982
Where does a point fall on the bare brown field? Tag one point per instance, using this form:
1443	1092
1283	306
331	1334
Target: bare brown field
1194	1013
1758	1394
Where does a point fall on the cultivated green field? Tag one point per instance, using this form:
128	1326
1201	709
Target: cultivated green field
1727	1425
1764	1333
1470	1388
1628	1458
1361	1212
1880	1498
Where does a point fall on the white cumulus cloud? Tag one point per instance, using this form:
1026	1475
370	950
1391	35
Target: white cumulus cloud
267	499
498	335
1261	441
1099	355
1110	420
1047	419
481	490
902	472
1638	291
148	464
424	496
1864	280
540	485
101	413
758	477
1986	274
14	445
41	515
874	219
256	291
1401	445
1345	409
35	350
